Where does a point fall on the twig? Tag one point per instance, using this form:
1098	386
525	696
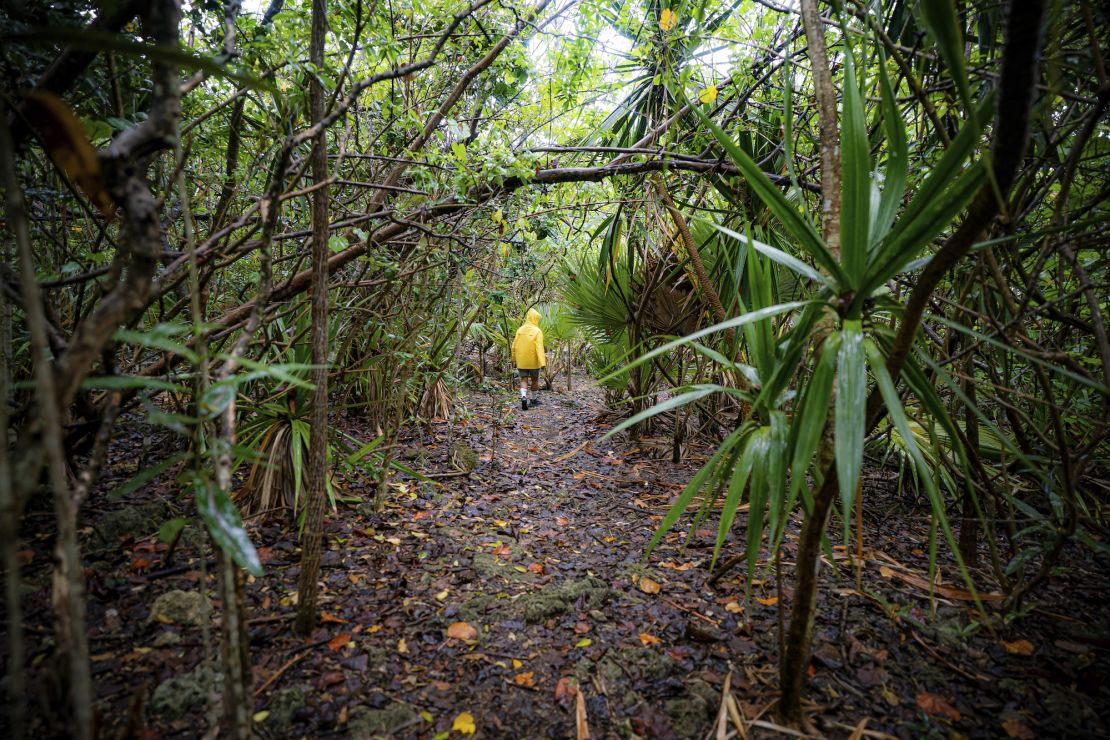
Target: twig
279	673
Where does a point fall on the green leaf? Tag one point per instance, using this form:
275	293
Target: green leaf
855	188
700	391
797	224
737	482
777	255
147	474
694	486
851	401
160	336
222	518
96	41
124	382
170	529
736	321
943	21
897	160
812	415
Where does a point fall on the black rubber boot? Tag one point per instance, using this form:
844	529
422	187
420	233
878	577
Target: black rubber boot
523	403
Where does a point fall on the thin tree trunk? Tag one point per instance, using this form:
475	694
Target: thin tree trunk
68	598
795	663
318	440
11	508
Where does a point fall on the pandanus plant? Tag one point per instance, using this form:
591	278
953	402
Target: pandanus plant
842	336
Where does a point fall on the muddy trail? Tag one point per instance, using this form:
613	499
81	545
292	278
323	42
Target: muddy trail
508	597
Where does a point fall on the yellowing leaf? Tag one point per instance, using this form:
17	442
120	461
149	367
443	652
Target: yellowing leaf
442	595
886	572
1019	647
667	19
525	679
426	716
648	639
64	139
462	631
464	723
584	642
517	663
733	607
648	586
708	95
890	696
770	601
261	716
402	646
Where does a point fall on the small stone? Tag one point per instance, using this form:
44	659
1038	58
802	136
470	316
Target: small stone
167	639
185	608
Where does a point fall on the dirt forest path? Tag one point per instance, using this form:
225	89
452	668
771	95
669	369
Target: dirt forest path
513	585
482	601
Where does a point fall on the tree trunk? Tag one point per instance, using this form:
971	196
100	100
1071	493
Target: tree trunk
969	516
795	663
11	508
68	597
318	440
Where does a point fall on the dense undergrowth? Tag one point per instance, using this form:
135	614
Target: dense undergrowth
805	245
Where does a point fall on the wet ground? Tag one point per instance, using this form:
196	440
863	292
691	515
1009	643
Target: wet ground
510	597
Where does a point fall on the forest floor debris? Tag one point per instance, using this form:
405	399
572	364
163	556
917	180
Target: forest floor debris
539	552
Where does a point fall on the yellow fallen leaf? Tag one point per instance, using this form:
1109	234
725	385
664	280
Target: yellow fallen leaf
462	631
584	642
525	679
733	607
442	595
886	572
464	723
426	716
648	639
890	696
667	19
517	663
261	716
402	646
648	586
1019	647
708	95
769	601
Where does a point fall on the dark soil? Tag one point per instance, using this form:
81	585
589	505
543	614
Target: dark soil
539	549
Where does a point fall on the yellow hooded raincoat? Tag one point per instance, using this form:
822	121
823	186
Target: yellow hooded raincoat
528	345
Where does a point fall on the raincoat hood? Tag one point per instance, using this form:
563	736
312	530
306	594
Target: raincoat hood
527	347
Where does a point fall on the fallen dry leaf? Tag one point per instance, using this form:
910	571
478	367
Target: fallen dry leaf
525	679
464	723
648	586
565	689
327	618
336	643
648	639
1019	647
937	706
769	601
462	631
1014	728
536	568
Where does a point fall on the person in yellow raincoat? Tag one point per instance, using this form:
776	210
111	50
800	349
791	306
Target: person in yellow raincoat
528	356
